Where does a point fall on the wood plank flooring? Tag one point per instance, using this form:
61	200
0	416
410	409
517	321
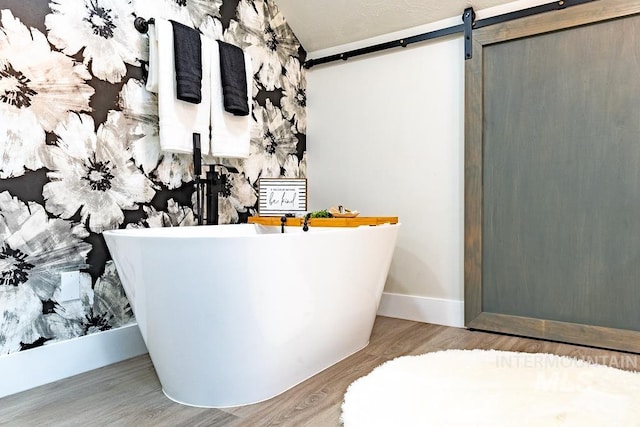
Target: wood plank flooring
129	394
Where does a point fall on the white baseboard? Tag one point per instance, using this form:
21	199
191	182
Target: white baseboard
23	370
423	309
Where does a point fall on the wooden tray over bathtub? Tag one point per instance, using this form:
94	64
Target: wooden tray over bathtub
326	222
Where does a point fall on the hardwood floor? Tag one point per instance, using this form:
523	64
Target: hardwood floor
129	394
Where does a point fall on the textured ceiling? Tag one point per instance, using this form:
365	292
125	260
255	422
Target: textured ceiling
321	24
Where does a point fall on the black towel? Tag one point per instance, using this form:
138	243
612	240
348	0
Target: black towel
234	79
187	50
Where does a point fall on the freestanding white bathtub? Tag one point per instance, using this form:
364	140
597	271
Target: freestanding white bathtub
237	314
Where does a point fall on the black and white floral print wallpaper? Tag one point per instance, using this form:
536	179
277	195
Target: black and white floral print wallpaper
79	148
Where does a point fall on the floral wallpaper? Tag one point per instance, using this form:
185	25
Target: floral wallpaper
80	154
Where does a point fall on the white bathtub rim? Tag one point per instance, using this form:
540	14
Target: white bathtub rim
173	232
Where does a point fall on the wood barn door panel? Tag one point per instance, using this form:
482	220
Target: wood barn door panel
552	229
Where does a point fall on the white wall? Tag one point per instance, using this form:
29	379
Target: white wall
385	136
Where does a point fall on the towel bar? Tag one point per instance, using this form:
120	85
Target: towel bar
142	25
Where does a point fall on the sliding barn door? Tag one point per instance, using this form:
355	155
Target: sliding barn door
552	223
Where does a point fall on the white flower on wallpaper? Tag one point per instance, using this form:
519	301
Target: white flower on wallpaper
111	307
19	312
93	173
212	28
294	95
303	166
102	29
38	87
175	215
34	249
271	143
19	148
237	196
174	170
294	167
66	319
261	30
103	307
140	108
189	12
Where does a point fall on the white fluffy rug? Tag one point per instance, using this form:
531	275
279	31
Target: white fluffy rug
495	388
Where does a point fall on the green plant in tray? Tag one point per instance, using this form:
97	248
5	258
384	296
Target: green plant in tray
321	214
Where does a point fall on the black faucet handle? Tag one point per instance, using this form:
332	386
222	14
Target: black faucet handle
197	154
283	222
305	224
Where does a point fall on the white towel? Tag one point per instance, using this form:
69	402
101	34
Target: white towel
230	135
152	78
180	119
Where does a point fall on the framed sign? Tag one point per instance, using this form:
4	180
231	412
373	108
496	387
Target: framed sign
281	196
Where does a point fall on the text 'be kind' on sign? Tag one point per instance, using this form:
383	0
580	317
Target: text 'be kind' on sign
281	196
